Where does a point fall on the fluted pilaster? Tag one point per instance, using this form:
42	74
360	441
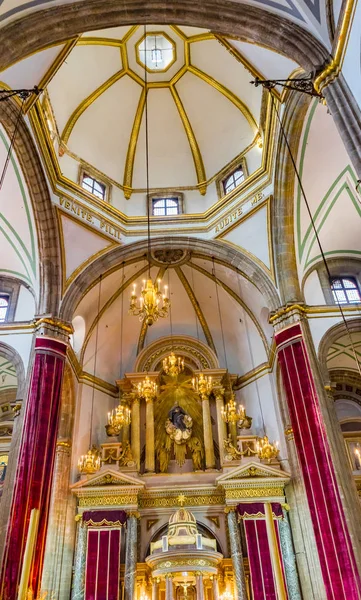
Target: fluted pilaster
207	432
149	439
135	425
221	426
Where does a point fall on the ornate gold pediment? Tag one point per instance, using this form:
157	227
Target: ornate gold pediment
252	470
108	478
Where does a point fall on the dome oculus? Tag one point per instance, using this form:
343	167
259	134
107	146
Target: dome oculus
156	51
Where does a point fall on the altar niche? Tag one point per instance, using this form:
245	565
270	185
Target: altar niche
178	425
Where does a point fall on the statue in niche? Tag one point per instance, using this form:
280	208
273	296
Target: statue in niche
178	423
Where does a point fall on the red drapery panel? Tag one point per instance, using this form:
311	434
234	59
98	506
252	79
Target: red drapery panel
102	564
336	554
259	557
35	465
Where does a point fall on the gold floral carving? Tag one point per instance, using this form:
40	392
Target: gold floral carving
262	492
205	500
108	500
190	562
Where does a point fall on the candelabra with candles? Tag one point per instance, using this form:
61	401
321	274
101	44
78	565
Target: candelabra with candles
173	365
230	413
234	415
202	384
89	463
266	450
147	388
151	304
117	418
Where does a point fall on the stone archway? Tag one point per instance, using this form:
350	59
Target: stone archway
331	335
249	23
12	355
44	216
221	253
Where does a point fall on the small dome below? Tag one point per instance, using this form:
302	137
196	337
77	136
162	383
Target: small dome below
182	522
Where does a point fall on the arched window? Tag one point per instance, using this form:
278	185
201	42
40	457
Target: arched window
163	207
4	305
233	180
345	290
93	186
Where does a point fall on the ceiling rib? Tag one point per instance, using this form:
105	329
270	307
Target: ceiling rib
197	308
196	153
129	163
238	300
87	102
107	305
53	69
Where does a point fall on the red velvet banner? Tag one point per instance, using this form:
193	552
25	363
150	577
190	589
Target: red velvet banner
259	557
102	564
35	464
335	551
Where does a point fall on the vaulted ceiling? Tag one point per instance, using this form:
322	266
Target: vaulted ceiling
203	113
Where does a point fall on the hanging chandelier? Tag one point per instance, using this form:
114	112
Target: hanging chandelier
266	450
89	463
173	365
117	419
202	384
151	304
147	389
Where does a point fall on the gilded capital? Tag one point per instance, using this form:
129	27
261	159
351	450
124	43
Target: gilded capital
53	327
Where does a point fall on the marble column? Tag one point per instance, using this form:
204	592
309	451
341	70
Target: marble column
131	550
135	430
169	587
36	455
274	552
289	559
328	485
155	586
149	436
207	432
55	540
236	553
78	587
199	586
215	588
221	426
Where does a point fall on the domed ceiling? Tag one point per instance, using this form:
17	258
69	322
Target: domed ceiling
203	113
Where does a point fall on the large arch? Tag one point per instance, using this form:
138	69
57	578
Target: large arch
33	32
221	253
331	336
12	355
283	234
46	225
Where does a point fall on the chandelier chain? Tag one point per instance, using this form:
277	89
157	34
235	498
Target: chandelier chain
147	146
95	360
219	312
